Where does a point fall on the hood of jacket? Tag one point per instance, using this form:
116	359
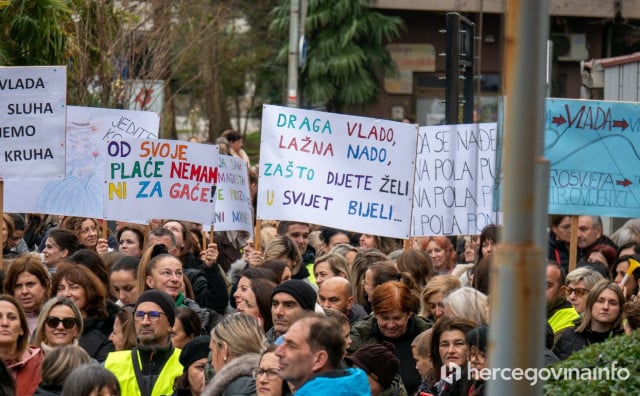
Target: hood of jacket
242	366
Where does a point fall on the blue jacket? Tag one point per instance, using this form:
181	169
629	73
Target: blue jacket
349	382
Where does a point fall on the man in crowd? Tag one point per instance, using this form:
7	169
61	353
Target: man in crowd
336	293
560	312
310	358
590	235
299	232
153	364
289	299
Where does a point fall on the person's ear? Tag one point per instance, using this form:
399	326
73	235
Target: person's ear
349	302
149	281
320	360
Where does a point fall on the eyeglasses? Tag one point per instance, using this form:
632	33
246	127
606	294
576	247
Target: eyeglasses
272	374
138	316
67	323
579	291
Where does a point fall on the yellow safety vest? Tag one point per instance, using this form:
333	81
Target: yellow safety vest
120	364
563	318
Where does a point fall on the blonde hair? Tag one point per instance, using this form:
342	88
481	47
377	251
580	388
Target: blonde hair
242	333
438	284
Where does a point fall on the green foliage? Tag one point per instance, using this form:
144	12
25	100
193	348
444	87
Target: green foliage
624	350
346	52
33	32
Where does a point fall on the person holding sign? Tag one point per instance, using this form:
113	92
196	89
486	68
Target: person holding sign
88	232
627	274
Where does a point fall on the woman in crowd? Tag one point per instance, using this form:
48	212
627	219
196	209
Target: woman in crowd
267	375
347	251
164	272
123	335
632	283
60	245
421	350
244	282
60	324
363	260
467	303
283	248
209	287
330	265
88	232
577	286
186	327
559	239
601	258
488	238
601	320
437	288
89	294
477	357
91	380
443	256
417	263
381	272
7	234
131	240
28	281
279	267
193	358
58	365
22	360
236	344
449	346
331	237
257	302
394	320
123	280
384	244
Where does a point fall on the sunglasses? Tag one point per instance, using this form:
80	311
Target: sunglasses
67	323
579	291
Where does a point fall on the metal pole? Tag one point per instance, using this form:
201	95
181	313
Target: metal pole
516	335
292	70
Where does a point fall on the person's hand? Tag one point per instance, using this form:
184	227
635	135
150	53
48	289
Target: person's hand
210	256
102	246
253	257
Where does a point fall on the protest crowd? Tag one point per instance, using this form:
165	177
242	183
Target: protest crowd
307	310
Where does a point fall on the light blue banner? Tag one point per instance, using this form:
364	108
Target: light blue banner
594	150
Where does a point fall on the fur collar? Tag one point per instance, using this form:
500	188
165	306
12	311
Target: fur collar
241	366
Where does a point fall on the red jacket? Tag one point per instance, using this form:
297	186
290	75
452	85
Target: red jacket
27	371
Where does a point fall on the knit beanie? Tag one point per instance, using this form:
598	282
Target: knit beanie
195	349
377	360
163	300
300	290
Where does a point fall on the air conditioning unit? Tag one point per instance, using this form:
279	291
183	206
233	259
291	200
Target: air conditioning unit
570	47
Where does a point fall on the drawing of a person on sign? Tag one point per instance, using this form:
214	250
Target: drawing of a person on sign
81	191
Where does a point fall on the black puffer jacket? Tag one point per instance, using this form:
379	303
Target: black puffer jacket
570	341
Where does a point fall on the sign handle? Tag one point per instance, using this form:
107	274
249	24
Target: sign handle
256	235
573	245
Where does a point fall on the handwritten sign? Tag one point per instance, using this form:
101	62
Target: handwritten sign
80	192
594	150
455	179
343	171
147	179
32	122
233	199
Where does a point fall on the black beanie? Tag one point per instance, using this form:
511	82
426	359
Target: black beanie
195	349
377	360
300	290
163	300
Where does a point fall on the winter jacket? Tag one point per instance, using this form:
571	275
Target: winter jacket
95	334
367	332
27	371
208	284
235	378
49	390
558	252
571	341
343	382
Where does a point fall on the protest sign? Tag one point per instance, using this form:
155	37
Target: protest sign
593	148
233	198
455	179
32	122
342	171
146	179
80	193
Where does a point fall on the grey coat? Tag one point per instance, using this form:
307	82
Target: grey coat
235	378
